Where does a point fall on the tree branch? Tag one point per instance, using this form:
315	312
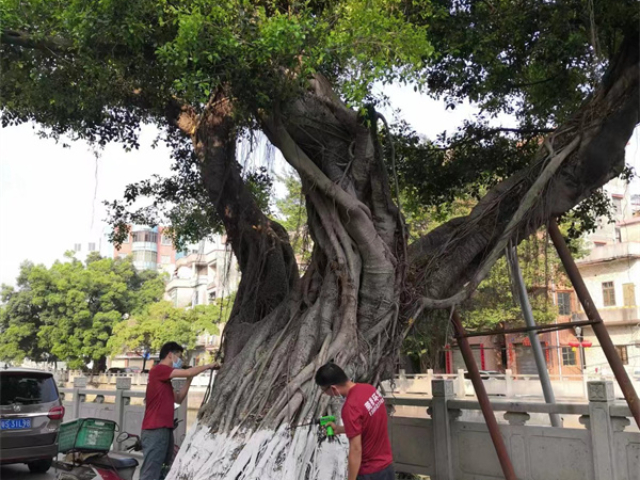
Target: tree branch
266	259
463	250
27	40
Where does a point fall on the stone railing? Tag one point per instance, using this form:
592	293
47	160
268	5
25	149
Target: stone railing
445	446
137	379
505	385
125	406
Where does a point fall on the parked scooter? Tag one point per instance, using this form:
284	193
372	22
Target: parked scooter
103	465
99	465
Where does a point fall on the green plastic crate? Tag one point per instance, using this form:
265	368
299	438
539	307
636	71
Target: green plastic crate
86	435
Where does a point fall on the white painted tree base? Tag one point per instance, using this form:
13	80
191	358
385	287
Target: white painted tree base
262	455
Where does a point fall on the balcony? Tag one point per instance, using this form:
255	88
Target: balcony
178	283
616	315
144	246
613	251
190	260
190	282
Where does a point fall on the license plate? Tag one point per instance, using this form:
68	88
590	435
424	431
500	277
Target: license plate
15	424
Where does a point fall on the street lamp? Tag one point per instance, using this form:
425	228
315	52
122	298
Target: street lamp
579	336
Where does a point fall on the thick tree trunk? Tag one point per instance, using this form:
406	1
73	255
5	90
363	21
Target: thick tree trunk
345	308
353	302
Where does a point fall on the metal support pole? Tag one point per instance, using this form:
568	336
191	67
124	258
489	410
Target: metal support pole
600	330
538	354
483	399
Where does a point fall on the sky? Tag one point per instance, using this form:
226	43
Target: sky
51	197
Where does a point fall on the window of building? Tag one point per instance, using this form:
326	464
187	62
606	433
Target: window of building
629	294
568	357
174	297
122	255
622	353
599	244
126	239
617	204
166	239
92	247
77	247
145	256
608	294
564	303
618	235
212	297
149	237
165	259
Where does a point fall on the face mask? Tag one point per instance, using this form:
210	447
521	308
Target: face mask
337	400
177	363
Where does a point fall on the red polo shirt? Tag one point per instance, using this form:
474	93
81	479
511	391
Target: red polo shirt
364	414
159	399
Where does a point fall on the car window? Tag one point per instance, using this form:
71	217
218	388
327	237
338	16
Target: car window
26	389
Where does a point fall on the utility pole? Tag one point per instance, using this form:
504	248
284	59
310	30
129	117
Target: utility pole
538	354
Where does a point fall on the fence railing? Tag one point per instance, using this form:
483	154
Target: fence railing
505	385
137	379
122	405
445	446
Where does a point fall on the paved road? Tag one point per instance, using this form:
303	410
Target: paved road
21	472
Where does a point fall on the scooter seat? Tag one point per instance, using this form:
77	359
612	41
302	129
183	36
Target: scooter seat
112	462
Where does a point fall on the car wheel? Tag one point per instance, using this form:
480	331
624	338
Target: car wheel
40	466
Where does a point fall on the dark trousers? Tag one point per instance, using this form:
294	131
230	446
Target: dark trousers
385	474
157	448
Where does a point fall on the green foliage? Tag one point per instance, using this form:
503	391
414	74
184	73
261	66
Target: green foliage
67	312
292	215
533	60
111	65
99	70
161	322
536	59
180	201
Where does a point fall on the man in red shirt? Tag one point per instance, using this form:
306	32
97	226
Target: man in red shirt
157	425
365	423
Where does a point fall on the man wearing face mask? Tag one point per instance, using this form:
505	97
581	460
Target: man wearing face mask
365	423
157	426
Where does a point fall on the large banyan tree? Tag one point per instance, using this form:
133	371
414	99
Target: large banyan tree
308	75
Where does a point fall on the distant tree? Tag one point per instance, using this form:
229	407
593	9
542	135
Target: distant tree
161	322
68	312
292	214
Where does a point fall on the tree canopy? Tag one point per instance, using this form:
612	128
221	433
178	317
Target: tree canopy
98	71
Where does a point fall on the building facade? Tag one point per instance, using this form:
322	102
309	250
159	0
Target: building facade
612	275
203	273
150	249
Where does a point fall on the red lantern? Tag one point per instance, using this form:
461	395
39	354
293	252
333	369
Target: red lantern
574	344
586	344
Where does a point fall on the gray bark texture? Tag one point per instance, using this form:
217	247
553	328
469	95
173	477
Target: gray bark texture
364	284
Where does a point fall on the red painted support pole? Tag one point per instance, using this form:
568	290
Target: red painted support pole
483	399
598	326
